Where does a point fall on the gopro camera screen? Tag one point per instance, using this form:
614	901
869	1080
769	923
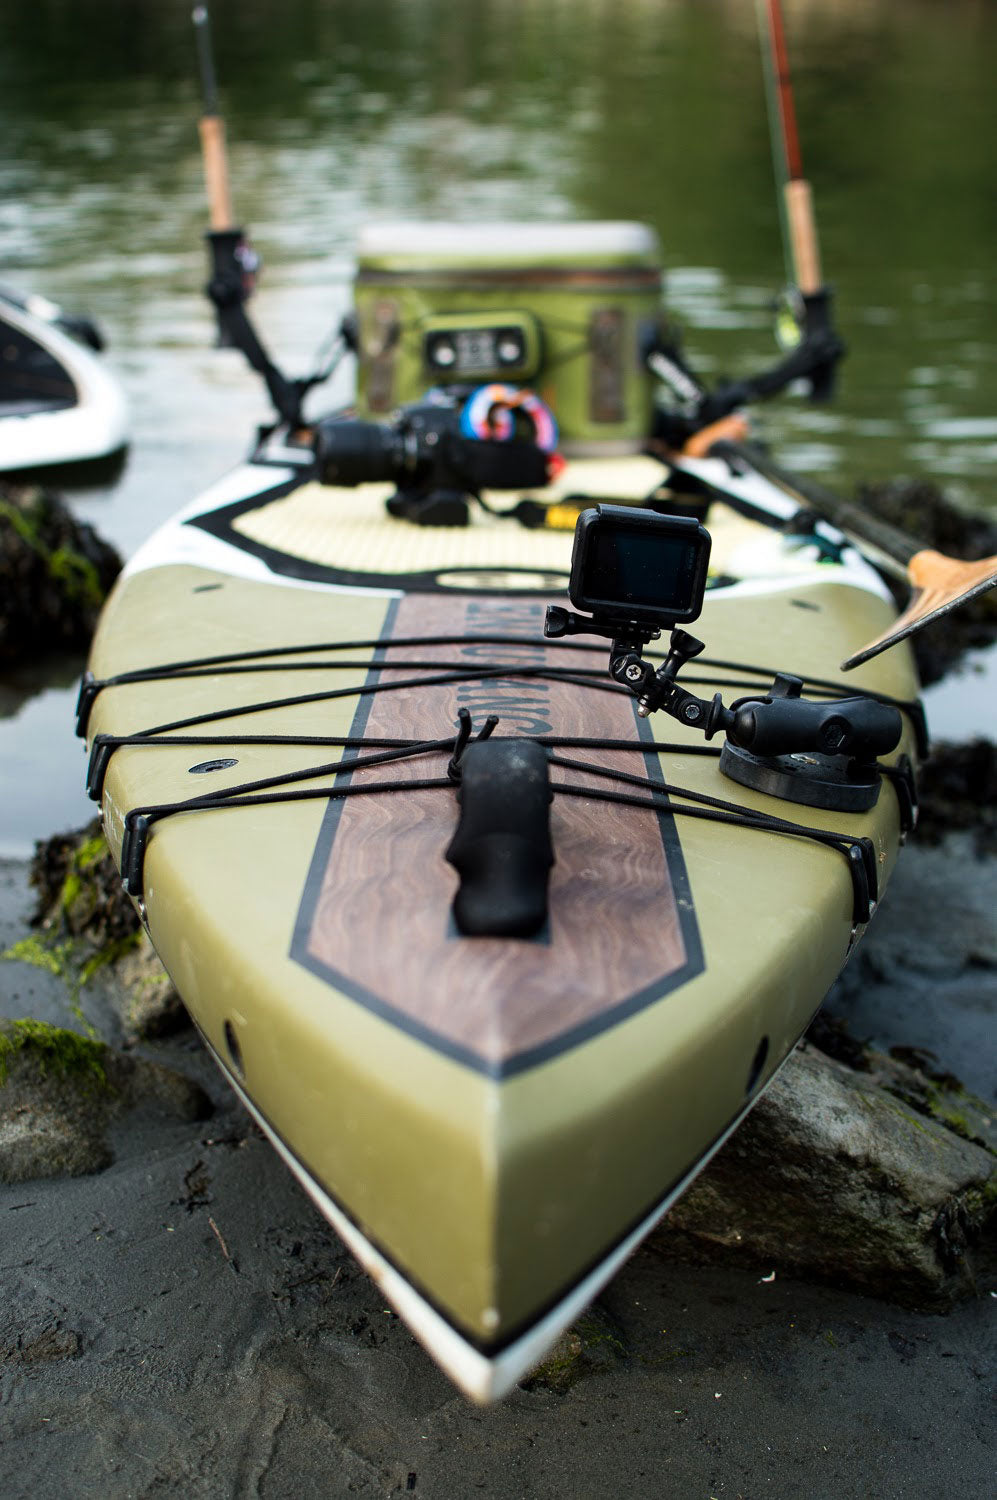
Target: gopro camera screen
639	565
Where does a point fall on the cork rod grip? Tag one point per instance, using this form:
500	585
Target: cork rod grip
212	131
803	235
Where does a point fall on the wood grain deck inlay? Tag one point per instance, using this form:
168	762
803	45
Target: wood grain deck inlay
376	916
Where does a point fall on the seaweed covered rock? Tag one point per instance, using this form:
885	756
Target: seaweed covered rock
594	1345
850	1177
921	509
60	1091
957	787
83	911
55	573
79	890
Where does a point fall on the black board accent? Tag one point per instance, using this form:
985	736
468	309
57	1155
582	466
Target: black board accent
220	523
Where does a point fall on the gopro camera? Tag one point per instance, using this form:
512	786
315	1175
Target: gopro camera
639	565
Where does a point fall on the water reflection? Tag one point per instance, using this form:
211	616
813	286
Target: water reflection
649	109
43	770
338	113
395	108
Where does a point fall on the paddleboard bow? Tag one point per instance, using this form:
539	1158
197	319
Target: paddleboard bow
492	1123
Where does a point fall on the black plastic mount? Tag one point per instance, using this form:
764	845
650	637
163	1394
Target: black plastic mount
904	782
133	842
233	270
861	856
809	778
820	753
101	751
89	688
814	360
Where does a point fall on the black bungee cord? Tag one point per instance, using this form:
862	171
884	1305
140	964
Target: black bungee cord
630	790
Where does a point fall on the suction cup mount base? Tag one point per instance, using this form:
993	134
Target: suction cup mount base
830	782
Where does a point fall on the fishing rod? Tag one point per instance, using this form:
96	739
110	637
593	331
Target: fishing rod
804	327
211	128
938	584
809	298
234	264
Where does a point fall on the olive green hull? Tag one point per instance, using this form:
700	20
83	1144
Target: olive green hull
486	1158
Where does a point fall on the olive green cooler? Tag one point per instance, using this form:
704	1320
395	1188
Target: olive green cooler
565	309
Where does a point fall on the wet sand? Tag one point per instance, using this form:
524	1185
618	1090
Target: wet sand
184	1323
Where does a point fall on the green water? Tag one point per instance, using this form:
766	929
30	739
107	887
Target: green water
648	109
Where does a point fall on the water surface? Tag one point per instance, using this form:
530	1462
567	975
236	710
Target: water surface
648	109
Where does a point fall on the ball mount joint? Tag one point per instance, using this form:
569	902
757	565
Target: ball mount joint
637	573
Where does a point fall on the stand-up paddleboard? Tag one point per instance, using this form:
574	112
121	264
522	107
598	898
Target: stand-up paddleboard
490	1122
60	408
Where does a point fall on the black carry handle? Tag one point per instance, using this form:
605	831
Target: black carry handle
502	848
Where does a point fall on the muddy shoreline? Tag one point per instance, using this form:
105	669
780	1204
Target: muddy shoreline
183	1322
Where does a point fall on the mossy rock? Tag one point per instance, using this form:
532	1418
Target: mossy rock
55	573
60	1091
916	1077
89	934
957	787
79	891
592	1346
836	1177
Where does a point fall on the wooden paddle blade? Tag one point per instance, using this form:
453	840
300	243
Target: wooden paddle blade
731	429
940	585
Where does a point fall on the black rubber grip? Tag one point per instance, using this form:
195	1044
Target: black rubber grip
502	849
860	727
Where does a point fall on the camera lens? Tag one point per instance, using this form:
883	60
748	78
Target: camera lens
352	452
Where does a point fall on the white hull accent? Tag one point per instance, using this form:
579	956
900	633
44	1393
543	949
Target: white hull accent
481	1377
177	543
768	499
95	427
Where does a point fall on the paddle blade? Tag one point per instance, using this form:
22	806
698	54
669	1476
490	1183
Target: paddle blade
940	585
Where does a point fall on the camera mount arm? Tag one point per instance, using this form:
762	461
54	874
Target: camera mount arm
778	722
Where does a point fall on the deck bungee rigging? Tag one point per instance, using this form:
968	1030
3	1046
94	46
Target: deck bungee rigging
139	820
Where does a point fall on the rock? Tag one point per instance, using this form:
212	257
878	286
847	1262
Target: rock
43	1142
921	508
957	788
55	573
144	995
60	1091
85	916
925	974
914	1076
135	1083
591	1346
834	1177
79	890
